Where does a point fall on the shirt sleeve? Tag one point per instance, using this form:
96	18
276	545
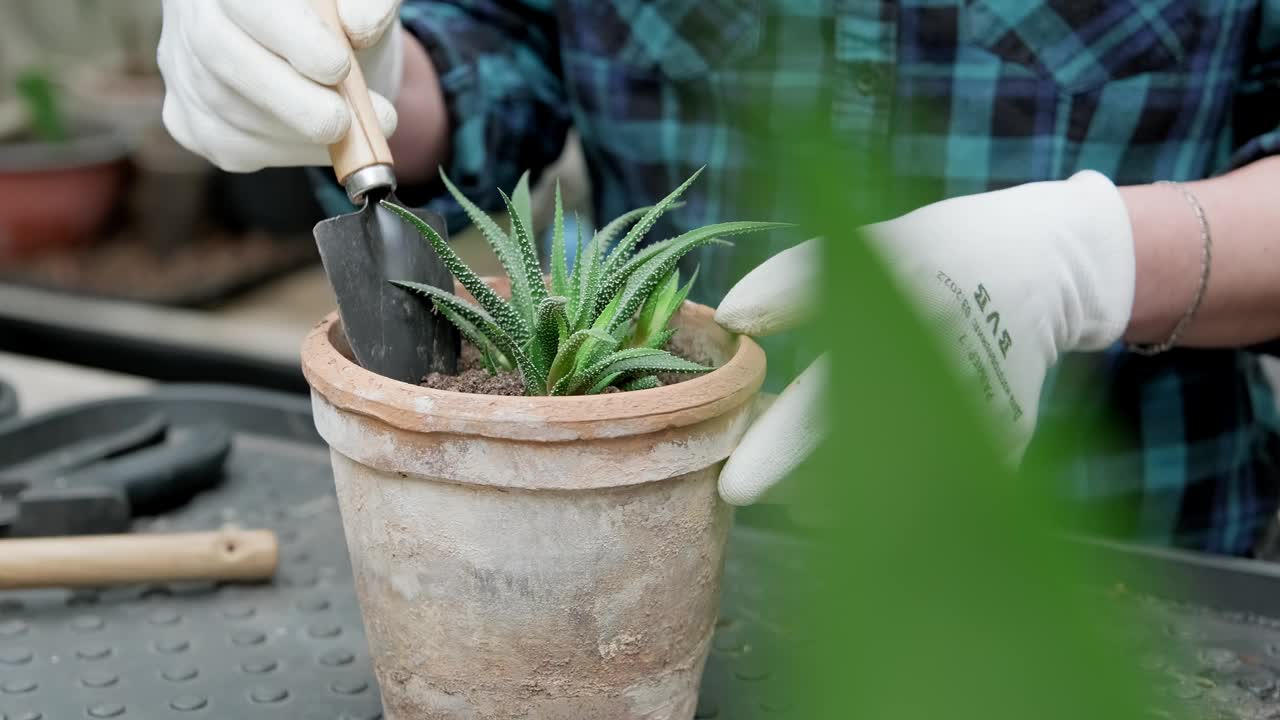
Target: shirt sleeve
1256	124
499	68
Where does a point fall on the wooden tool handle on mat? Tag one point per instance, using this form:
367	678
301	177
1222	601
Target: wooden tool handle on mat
364	144
96	560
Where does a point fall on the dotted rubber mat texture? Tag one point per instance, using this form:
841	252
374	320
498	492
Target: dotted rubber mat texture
294	648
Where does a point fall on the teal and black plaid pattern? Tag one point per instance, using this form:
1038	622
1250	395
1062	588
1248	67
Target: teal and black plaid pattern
960	96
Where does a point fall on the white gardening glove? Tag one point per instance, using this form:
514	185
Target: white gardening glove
1011	279
246	81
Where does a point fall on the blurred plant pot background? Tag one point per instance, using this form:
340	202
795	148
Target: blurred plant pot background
57	194
157	238
96	198
169	188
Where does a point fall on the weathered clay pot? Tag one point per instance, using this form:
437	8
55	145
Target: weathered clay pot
540	558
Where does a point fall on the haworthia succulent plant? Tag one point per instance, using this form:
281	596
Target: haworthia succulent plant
602	324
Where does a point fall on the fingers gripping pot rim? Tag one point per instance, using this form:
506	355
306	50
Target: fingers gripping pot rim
534	556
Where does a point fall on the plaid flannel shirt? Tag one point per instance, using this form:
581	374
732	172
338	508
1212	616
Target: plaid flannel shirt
966	96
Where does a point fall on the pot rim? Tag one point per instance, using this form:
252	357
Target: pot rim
88	147
351	388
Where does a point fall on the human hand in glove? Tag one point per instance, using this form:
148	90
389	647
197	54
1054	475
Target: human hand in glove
1011	279
247	82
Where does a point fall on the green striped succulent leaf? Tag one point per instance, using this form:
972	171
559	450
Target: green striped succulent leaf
490	355
504	247
528	255
551	329
647	382
559	272
626	364
627	245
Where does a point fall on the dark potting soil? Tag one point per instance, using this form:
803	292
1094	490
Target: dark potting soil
474	378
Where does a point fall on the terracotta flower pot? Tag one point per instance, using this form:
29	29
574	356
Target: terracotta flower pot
55	195
526	557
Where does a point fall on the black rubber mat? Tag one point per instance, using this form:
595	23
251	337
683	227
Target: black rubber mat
1203	630
294	648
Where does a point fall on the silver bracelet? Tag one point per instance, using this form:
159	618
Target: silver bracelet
1206	258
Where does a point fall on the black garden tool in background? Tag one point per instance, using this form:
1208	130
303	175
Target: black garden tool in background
65	473
390	332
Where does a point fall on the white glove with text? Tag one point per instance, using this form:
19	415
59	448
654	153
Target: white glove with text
247	81
1011	279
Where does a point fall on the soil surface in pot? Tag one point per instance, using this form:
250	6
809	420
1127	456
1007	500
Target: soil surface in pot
474	378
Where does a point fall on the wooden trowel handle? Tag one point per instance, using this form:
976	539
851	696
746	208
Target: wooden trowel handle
364	144
97	560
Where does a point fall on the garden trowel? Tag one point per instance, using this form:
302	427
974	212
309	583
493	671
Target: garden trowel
391	332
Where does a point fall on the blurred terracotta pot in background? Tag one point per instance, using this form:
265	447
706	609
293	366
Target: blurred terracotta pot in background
56	195
168	196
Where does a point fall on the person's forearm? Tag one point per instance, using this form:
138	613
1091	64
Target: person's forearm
421	141
1242	302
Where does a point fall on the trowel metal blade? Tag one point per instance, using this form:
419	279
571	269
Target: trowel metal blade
391	331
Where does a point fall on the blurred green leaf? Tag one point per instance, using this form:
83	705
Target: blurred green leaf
939	587
40	96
